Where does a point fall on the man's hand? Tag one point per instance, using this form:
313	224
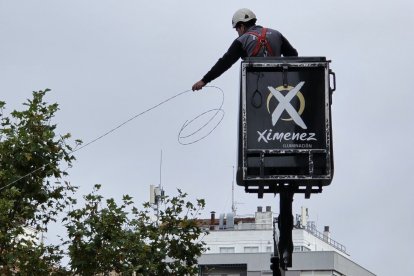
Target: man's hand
198	85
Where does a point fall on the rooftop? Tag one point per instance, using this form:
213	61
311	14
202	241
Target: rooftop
265	220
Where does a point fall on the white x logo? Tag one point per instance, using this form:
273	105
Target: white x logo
284	104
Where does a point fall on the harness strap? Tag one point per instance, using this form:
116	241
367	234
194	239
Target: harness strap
261	43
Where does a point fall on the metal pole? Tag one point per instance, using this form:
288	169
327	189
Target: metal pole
285	223
275	260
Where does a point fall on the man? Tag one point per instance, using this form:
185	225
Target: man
253	41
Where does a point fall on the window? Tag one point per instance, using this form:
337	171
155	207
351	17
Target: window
251	249
268	249
305	249
300	249
226	249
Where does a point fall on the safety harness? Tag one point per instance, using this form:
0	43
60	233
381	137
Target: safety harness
261	43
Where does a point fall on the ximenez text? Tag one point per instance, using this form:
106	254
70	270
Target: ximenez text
268	135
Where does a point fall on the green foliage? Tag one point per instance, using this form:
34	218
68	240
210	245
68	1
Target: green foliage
124	239
31	156
103	236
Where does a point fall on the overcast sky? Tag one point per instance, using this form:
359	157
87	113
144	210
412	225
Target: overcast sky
106	61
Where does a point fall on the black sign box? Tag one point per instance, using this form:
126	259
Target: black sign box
285	123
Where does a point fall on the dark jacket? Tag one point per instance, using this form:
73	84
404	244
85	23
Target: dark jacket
243	46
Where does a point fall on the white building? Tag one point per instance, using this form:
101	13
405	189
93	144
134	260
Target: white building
31	234
244	246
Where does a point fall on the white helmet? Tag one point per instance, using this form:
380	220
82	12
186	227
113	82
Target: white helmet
242	15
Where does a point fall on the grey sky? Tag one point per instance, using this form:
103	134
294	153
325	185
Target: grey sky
106	61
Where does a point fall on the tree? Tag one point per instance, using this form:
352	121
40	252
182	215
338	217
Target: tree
123	239
32	186
102	236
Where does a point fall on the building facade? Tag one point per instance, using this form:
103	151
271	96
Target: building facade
244	245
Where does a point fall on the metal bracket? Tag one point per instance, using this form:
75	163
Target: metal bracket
332	73
285	69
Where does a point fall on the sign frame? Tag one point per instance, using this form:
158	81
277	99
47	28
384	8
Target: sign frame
253	173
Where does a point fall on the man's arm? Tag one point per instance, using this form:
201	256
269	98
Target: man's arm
222	65
287	49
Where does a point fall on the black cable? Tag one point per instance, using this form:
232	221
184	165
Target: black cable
186	124
257	94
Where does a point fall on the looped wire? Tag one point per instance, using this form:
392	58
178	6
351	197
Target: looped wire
191	138
181	138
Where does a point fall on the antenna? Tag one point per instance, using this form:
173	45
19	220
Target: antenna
157	193
160	171
233	205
